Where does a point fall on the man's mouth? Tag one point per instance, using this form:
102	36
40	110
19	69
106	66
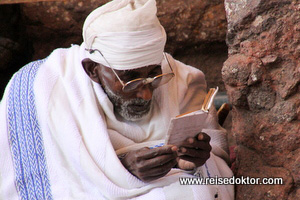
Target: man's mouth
137	108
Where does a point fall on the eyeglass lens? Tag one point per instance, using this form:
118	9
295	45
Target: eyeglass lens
158	81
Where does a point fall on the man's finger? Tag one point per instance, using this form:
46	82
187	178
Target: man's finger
161	169
204	145
203	137
195	153
157	161
151	153
197	161
191	140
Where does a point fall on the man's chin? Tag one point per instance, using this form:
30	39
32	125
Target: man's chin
139	109
135	112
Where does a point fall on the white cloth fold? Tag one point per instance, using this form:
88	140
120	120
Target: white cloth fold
128	34
81	158
129	50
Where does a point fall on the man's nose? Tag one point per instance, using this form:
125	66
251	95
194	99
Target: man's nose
145	92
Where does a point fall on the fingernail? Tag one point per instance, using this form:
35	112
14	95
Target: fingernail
183	150
174	148
191	140
200	136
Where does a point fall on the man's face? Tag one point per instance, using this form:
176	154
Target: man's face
131	106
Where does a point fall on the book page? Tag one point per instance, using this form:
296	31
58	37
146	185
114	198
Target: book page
185	126
190	124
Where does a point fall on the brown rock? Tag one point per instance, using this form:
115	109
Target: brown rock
196	30
286	78
238	96
262	97
253	166
269	59
294	195
241	70
15	49
236	70
54	25
285	111
187	23
240	127
293	165
263	39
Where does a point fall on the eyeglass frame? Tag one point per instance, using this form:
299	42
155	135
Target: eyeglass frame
147	80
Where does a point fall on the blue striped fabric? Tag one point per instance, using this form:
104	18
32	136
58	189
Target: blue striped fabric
26	142
158	145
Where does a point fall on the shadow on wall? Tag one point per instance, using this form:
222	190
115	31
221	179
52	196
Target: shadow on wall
15	48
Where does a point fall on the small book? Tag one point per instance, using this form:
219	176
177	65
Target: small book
190	124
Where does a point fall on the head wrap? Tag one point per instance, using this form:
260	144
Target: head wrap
127	32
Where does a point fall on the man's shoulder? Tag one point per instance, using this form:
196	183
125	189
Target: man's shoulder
63	52
186	71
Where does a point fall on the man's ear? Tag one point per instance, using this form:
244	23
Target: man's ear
90	68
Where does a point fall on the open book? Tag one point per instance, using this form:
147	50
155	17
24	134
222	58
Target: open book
190	124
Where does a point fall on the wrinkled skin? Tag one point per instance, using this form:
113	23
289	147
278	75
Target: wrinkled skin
149	164
194	152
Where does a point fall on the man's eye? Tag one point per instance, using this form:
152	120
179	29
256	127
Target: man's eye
156	71
130	77
153	74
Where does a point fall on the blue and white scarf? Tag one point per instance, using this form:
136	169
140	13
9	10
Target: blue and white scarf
25	137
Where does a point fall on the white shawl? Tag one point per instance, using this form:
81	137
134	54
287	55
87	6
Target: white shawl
80	158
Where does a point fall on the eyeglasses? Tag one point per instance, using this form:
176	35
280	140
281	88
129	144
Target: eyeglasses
136	84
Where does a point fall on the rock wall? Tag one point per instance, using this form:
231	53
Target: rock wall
15	49
187	23
196	30
262	76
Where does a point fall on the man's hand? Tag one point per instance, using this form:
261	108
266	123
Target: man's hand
193	152
150	164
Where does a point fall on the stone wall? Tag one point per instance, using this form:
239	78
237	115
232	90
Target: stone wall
196	31
262	76
15	49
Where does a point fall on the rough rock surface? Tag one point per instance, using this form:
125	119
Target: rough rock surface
262	76
196	30
187	23
15	50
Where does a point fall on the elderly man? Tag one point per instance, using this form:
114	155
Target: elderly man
89	122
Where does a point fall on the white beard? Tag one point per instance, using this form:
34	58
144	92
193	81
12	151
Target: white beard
124	110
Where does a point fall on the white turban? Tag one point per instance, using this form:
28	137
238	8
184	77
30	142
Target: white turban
127	32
